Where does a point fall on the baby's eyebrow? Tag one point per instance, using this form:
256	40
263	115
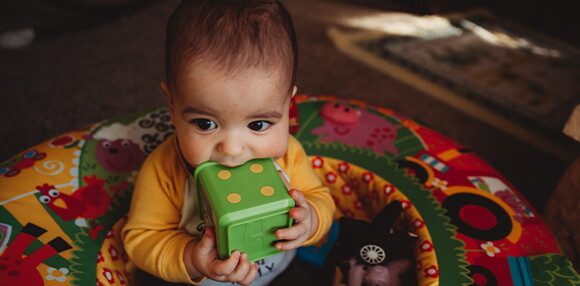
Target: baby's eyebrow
191	109
268	114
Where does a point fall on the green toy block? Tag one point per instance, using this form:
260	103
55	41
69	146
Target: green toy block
245	205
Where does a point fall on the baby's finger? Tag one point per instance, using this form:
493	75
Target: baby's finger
290	244
291	233
225	267
298	197
298	214
241	269
207	243
251	276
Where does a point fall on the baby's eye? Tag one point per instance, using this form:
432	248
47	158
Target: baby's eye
204	124
259	125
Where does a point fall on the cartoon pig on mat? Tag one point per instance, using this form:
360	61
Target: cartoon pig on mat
357	127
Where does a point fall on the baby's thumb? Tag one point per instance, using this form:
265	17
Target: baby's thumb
207	243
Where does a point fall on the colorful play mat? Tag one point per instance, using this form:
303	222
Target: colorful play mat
504	74
63	202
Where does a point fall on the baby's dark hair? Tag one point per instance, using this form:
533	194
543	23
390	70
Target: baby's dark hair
231	35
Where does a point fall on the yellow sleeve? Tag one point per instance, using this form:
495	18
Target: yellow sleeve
151	236
302	177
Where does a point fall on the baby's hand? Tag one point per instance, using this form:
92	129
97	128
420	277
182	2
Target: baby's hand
201	260
305	223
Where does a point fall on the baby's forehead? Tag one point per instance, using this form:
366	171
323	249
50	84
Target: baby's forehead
200	72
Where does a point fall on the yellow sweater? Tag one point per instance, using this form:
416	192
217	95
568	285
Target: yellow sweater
152	236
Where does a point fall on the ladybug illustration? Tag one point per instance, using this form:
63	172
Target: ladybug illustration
25	161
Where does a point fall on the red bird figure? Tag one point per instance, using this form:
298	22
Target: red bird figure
90	201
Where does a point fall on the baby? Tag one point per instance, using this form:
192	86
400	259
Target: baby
231	68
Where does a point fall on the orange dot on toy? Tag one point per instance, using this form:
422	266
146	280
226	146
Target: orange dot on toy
267	191
224	174
234	198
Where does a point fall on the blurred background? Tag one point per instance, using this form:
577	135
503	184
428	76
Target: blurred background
67	63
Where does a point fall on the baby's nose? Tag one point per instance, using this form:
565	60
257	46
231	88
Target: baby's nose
231	146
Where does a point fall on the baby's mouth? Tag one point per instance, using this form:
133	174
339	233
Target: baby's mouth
231	164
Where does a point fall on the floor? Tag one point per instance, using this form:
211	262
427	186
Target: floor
63	81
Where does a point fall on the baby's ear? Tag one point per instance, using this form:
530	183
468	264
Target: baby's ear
168	96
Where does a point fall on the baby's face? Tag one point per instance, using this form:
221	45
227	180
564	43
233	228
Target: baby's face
230	118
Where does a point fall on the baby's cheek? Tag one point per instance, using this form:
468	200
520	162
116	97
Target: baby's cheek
194	155
275	149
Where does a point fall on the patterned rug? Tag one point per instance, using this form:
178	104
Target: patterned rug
510	77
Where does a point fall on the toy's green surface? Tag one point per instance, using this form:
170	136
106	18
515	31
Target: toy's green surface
245	205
